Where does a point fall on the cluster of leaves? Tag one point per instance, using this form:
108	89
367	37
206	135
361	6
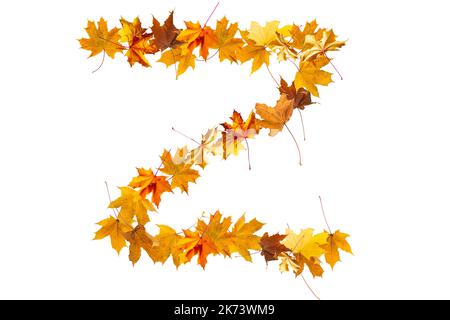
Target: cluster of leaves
178	170
306	48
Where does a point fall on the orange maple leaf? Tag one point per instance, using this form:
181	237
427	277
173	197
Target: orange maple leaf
212	238
241	129
197	36
138	40
275	118
148	183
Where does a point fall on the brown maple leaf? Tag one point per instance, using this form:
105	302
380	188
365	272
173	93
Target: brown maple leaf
301	96
271	247
165	36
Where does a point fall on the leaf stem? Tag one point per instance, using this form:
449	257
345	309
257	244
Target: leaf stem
174	64
310	289
292	61
101	63
248	154
210	57
329	60
324	216
161	164
212	12
271	75
296	143
187	137
303	125
109	197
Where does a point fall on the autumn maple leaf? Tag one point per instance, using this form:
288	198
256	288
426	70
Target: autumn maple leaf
263	36
139	239
306	249
314	47
212	238
138	42
297	264
132	205
197	36
209	144
236	131
101	39
227	44
165	35
271	246
334	241
243	238
181	55
301	96
257	39
115	229
305	243
310	75
180	171
165	244
298	35
275	118
148	183
241	129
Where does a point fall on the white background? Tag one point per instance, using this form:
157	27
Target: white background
376	151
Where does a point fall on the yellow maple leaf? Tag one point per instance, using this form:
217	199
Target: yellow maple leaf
297	264
166	244
181	55
243	237
208	145
310	75
227	44
259	54
180	171
298	35
132	205
334	241
304	243
101	39
263	36
115	229
313	47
